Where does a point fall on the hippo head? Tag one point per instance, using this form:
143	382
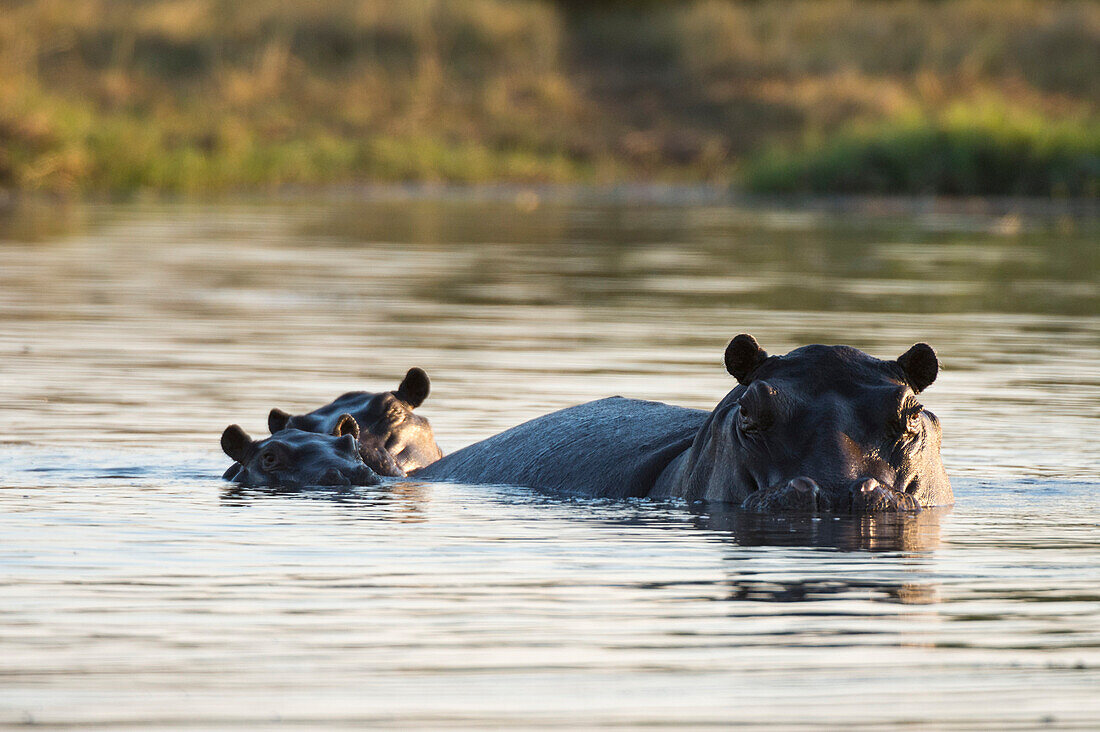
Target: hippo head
822	428
386	419
294	458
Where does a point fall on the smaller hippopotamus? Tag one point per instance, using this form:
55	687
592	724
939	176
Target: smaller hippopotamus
386	420
294	458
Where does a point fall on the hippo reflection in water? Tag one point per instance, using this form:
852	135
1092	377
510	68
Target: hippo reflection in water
386	421
294	458
822	428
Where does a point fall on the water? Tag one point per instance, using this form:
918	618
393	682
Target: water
140	590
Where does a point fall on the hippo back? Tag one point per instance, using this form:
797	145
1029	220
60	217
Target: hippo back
614	448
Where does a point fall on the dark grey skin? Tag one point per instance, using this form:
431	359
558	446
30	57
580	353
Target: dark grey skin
822	428
386	420
297	459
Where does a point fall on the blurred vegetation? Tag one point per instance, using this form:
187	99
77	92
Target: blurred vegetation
958	154
201	95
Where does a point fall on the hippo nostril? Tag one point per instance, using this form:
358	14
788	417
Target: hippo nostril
809	488
333	476
365	476
870	495
804	485
867	485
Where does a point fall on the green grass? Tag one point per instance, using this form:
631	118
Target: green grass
65	147
957	155
194	96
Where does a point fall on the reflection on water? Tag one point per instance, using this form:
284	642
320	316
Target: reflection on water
876	532
140	590
406	500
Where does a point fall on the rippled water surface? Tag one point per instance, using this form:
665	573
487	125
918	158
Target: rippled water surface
139	590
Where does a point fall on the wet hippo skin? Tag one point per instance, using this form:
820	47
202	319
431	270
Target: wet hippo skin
822	428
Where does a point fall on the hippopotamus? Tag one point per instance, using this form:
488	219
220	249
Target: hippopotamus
386	421
294	458
822	428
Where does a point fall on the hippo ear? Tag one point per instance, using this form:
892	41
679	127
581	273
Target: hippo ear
348	443
743	355
277	420
920	366
414	388
236	443
346	425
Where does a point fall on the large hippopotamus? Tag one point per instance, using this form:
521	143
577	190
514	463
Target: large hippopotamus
822	428
385	419
294	458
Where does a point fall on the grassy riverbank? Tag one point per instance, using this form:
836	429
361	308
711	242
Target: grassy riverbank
957	154
203	95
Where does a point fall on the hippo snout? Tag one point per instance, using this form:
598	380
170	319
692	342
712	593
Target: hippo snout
358	475
807	489
801	494
338	477
363	475
332	476
804	494
868	495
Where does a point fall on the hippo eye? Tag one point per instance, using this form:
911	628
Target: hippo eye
912	421
909	416
757	409
269	460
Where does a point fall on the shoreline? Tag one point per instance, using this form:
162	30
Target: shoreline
529	198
